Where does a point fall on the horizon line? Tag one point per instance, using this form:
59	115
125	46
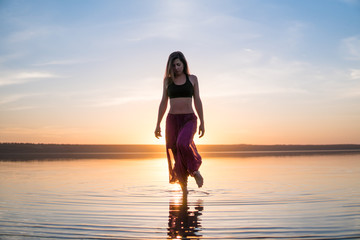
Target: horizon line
208	144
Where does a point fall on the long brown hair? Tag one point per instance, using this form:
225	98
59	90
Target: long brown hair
169	73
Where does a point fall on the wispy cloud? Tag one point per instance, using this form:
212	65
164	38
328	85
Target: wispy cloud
278	77
355	74
32	75
24	77
109	102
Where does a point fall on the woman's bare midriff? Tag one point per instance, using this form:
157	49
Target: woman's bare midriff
181	106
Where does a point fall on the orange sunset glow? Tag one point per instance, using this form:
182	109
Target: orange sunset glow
269	73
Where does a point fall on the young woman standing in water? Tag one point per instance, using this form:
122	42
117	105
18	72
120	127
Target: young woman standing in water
181	121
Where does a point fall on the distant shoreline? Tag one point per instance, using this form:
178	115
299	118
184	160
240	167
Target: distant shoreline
29	151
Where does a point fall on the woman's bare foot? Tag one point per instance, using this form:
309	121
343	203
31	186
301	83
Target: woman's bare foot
198	178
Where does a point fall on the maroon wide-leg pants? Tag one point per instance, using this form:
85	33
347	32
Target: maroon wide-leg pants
183	157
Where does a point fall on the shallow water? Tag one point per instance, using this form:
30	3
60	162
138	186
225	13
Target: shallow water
305	197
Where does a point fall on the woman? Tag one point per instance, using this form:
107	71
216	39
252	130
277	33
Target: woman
181	121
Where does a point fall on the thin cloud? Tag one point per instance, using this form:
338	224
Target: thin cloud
355	74
109	102
31	75
25	77
280	78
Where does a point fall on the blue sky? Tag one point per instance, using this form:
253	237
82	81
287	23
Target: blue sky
91	71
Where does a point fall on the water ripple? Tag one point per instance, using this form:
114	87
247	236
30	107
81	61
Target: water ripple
113	207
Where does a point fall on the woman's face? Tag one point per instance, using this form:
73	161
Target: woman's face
178	67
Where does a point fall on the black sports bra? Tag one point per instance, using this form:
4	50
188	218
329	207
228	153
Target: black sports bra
185	90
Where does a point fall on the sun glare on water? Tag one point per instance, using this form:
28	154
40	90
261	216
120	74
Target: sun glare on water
175	187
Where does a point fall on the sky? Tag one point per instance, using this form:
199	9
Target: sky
91	72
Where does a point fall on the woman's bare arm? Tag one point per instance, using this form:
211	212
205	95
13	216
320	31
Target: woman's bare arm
162	109
198	106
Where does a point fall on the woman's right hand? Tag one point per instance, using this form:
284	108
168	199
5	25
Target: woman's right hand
158	132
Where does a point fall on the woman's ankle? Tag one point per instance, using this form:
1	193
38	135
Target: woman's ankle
195	173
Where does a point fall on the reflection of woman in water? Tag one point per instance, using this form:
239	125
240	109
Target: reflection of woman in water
184	224
181	122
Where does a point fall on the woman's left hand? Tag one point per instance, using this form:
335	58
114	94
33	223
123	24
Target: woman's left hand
157	132
201	130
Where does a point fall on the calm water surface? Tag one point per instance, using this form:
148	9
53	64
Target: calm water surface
302	197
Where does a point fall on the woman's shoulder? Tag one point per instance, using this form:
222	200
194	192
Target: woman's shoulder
191	76
193	79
